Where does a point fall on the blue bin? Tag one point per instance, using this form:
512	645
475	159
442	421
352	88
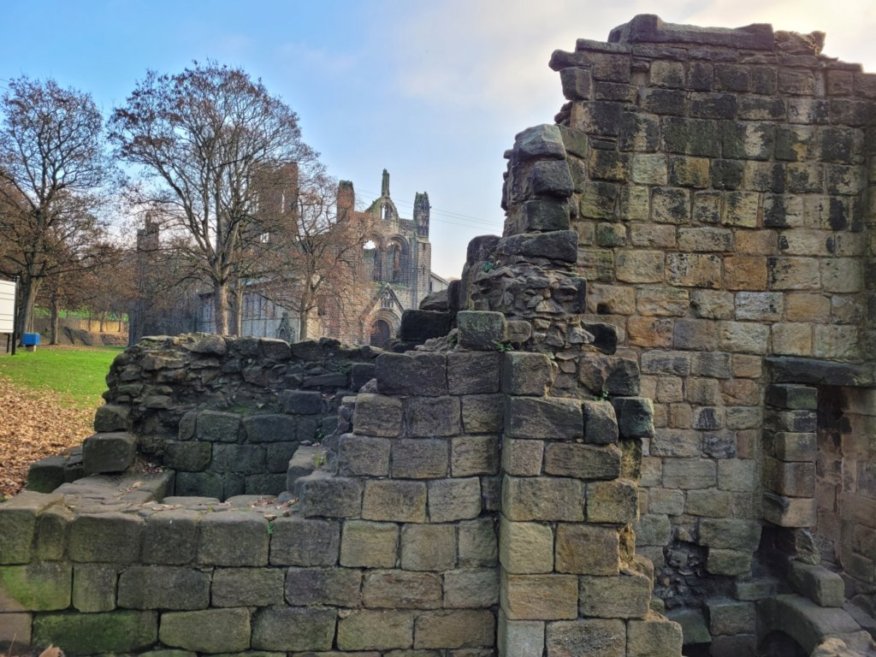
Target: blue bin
30	339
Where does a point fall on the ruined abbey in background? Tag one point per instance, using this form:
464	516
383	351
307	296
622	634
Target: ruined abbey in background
650	431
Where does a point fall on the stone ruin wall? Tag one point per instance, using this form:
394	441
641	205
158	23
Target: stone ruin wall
700	213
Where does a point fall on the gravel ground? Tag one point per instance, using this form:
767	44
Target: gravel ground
33	425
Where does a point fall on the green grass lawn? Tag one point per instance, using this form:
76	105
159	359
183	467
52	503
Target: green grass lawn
77	373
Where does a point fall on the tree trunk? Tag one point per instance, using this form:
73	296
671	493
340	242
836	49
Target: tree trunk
302	325
28	290
237	310
220	308
55	321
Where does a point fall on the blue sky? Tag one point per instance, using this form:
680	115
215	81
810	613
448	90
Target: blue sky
432	91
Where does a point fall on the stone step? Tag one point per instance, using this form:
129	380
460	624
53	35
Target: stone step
306	460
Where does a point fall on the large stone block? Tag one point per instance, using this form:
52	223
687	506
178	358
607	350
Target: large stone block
587	550
164	587
582	461
635	416
428	547
377	415
190	456
110	537
422	374
551	418
728	616
471	588
275	427
522	457
455	629
399	589
474	455
559	245
233	538
477	543
395	501
526	547
614	502
376	630
432	416
293	629
539	597
85	634
543	499
592	637
109	452
247	587
363	456
623	596
480	330
18	522
483	413
330	497
822	586
729	533
39	586
218	426
473	373
454	499
300	542
525	373
369	544
111	417
653	637
334	586
420	458
301	402
94	587
689	474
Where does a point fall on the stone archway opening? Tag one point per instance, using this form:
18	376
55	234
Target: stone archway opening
381	332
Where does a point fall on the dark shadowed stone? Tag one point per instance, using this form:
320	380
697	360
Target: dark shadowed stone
551	418
600	423
819	372
164	587
109	452
323	586
556	245
207	343
218	426
648	28
82	634
604	336
792	396
551	178
301	402
331	497
111	417
436	301
471	373
412	374
300	542
417	326
233	538
271	428
360	374
541	141
635	416
480	330
46	475
189	456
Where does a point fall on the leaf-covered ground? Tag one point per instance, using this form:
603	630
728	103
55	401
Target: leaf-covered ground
35	424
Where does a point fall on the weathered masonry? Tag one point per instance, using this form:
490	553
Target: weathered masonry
650	429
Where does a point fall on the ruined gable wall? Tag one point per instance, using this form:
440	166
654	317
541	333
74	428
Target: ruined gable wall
721	202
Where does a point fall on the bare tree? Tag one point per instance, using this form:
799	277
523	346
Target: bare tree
202	137
51	167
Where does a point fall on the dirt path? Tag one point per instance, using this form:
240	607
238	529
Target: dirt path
33	425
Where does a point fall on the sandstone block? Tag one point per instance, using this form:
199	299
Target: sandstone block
694	270
593	637
794	479
276	427
635	416
293	629
728	562
233	538
729	533
473	455
582	461
420	458
399	589
331	497
301	402
791	446
428	547
614	502
553	418
376	630
474	373
477	543
793	339
587	550
412	373
247	587
109	452
539	597
653	637
218	426
639	266
163	587
190	456
526	547
111	417
480	330
788	511
745	337
623	596
377	415
369	544
363	456
109	537
94	587
543	499
600	422
18	523
522	457
731	616
454	499
334	586
471	588
455	629
482	413
300	542
822	586
39	586
520	638
525	373
115	631
394	501
689	474
432	416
